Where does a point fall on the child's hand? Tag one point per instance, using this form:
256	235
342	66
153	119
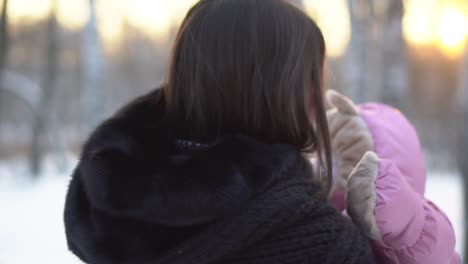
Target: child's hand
350	137
361	195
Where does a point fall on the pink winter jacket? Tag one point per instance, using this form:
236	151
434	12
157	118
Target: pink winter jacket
413	229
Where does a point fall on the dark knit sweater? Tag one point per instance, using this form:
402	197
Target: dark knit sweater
139	195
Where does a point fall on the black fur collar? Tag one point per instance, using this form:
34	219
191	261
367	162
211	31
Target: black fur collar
138	192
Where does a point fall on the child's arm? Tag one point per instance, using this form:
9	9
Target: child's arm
386	193
413	230
410	228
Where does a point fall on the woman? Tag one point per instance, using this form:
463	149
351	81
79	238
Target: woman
212	167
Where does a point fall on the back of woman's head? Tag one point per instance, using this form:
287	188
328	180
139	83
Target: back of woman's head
251	67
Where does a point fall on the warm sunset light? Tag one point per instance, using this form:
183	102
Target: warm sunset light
72	14
28	10
452	30
426	22
180	8
151	16
434	23
420	20
334	20
158	17
110	15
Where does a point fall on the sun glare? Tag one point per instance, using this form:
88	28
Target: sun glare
333	18
426	22
420	20
180	8
152	16
72	14
435	23
157	18
452	30
110	16
28	10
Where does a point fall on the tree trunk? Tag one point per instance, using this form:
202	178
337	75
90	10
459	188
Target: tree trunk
43	110
4	44
92	63
4	39
463	139
375	66
395	78
356	60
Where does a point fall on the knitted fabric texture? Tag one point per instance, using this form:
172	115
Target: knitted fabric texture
139	195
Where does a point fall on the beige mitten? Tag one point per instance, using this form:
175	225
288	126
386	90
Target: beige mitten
361	195
349	135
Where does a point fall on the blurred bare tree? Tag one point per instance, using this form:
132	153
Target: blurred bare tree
89	83
4	43
49	87
462	106
394	66
4	40
92	68
375	64
356	64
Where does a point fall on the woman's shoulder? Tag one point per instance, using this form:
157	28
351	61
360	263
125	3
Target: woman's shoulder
140	107
134	121
142	111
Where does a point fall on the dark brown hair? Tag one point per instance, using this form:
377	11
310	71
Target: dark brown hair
251	67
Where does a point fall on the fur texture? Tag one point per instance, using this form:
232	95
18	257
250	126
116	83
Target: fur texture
358	165
349	134
361	195
139	195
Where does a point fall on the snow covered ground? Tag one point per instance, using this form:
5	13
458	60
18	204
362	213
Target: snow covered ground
446	191
31	228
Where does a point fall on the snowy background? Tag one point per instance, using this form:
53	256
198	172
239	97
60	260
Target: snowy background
31	226
67	64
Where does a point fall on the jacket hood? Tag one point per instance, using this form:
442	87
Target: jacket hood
396	139
139	195
140	171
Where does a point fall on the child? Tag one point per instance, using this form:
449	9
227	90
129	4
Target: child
385	192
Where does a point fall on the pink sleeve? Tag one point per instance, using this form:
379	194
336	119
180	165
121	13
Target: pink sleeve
413	229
